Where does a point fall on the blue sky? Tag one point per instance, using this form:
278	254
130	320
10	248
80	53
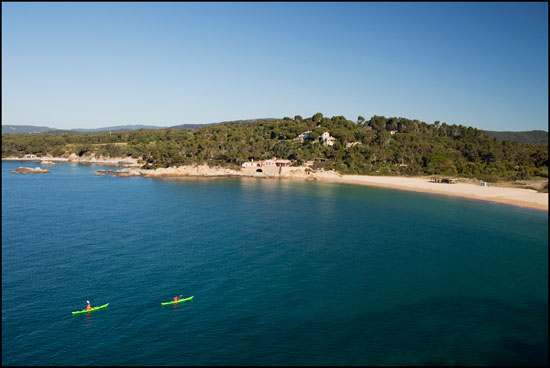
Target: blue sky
89	65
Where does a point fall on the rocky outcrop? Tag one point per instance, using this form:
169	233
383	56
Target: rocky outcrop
190	170
86	159
47	163
207	171
30	170
46	158
99	159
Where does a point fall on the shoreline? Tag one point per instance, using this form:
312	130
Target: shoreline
518	197
73	159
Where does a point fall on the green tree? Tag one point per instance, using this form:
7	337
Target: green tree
317	117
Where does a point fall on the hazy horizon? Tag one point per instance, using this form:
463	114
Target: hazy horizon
94	65
214	122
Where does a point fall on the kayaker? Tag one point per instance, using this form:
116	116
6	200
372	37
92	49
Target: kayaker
88	307
176	298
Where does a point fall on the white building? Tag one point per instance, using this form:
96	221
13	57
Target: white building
252	164
327	139
267	163
30	156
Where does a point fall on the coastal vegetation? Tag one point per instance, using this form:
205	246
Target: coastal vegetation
377	146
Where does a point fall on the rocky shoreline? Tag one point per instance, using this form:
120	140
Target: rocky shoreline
87	159
218	171
133	168
512	196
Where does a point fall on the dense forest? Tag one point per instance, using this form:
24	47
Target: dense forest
378	146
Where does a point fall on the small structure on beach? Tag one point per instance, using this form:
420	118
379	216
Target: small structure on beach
251	164
448	181
30	156
267	163
436	179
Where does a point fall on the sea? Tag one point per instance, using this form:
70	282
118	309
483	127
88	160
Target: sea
283	272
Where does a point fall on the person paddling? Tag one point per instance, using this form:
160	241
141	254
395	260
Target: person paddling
176	298
88	307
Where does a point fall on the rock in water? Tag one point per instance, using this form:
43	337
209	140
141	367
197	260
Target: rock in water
30	170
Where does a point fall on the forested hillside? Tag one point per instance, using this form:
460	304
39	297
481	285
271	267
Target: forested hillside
379	146
530	137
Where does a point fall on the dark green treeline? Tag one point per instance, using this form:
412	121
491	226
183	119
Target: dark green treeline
381	146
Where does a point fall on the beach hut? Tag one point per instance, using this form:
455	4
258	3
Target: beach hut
448	181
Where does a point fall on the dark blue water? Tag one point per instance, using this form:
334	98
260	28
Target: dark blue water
283	273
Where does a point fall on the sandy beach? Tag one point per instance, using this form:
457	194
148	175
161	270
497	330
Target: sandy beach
513	196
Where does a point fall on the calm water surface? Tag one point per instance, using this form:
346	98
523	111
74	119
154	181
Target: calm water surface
283	273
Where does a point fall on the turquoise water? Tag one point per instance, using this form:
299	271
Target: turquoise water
283	273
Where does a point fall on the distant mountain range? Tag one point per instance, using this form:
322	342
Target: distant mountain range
31	129
16	129
24	129
119	127
194	126
532	136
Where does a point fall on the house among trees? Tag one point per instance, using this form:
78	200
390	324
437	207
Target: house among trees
327	139
30	156
303	136
352	144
